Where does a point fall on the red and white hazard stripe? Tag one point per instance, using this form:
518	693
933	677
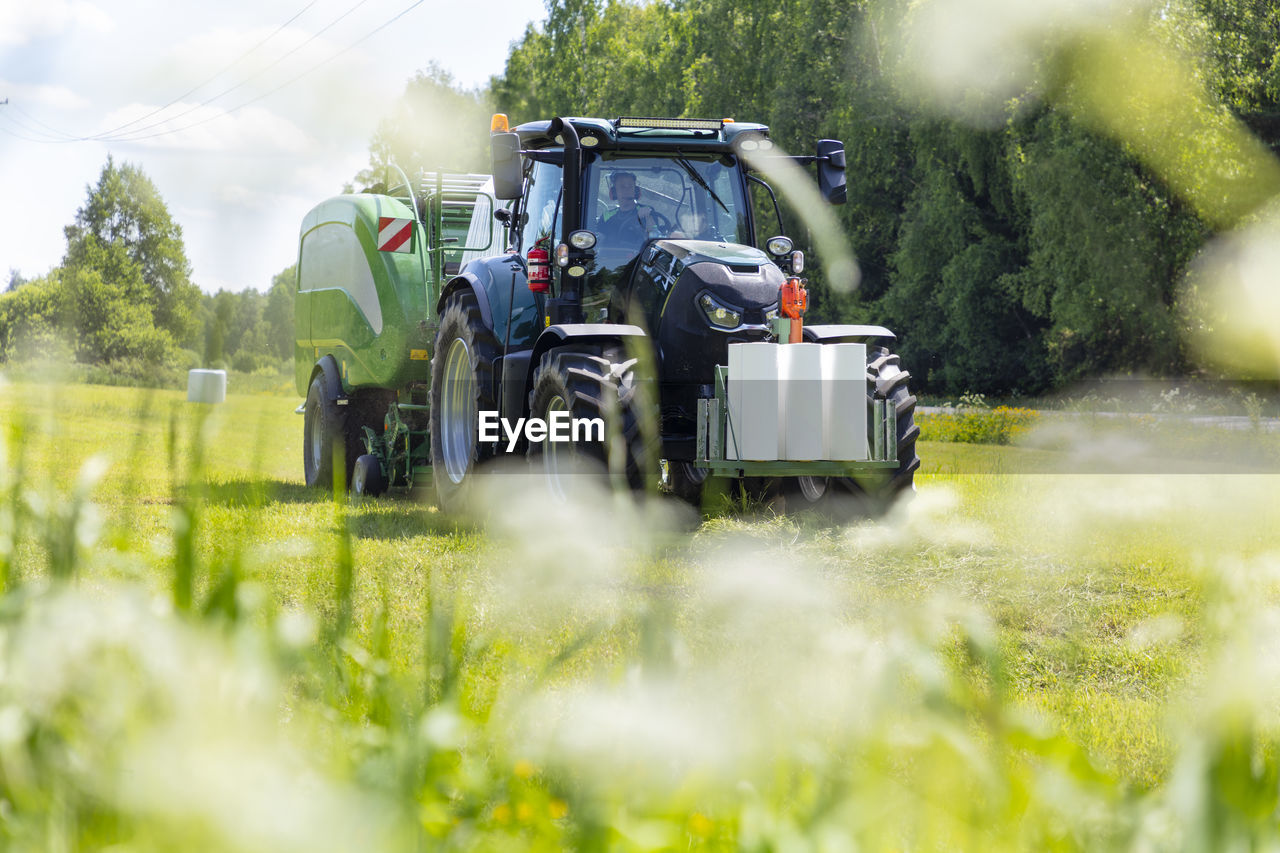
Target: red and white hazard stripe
394	234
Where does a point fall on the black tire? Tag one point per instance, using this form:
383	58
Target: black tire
800	494
685	480
323	432
461	386
589	384
329	427
367	479
876	494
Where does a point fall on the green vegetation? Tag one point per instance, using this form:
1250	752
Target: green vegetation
123	290
121	308
1024	217
977	424
200	654
1027	204
434	126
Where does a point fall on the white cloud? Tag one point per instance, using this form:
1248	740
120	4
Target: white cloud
21	23
231	61
58	97
239	184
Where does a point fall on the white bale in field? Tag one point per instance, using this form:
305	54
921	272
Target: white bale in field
206	386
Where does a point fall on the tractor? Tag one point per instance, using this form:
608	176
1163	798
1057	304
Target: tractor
610	273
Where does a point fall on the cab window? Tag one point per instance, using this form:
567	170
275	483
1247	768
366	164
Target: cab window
542	206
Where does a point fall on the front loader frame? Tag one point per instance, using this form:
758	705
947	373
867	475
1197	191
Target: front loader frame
715	424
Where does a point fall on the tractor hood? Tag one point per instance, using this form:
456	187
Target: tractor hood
739	276
672	282
696	251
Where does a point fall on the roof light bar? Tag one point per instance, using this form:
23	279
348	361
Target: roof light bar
637	122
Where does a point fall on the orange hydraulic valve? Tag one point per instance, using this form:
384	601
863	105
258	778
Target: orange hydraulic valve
793	302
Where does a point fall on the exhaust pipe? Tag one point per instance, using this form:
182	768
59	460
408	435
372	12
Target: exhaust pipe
567	307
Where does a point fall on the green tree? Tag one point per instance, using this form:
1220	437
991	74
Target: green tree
957	242
124	210
1109	245
34	321
1015	255
435	126
278	314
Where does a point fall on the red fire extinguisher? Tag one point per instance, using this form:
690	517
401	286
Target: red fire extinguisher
539	270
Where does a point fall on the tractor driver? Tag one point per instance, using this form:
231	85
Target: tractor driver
630	223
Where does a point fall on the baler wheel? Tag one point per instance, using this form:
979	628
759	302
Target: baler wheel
366	477
323	431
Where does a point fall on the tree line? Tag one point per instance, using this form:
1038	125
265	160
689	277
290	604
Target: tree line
1013	255
123	296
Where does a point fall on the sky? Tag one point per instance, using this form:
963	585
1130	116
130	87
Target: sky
268	108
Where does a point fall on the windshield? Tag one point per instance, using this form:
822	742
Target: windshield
630	199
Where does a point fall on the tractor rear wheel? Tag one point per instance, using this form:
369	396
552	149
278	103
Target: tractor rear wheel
461	387
588	384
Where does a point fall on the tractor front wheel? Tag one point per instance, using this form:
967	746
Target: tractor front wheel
591	388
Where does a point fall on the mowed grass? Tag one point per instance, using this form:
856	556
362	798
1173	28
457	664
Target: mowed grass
255	511
1014	658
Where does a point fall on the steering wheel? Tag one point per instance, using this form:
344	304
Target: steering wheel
660	223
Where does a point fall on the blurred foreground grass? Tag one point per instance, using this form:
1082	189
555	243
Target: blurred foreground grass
198	653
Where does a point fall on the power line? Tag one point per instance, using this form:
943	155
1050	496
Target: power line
48	129
133	135
110	135
106	135
9	132
289	82
210	79
8	115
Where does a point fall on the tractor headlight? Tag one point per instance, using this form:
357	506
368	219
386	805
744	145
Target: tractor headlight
718	314
582	240
771	314
779	246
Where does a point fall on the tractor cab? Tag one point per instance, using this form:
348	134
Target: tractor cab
608	190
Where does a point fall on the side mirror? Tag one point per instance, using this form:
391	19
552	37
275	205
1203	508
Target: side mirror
503	215
831	171
508	172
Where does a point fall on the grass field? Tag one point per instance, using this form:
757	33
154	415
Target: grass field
197	653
